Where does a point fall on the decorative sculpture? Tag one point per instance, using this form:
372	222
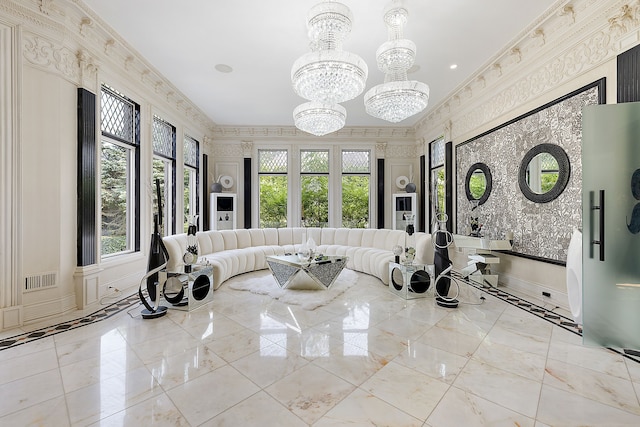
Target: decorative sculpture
158	258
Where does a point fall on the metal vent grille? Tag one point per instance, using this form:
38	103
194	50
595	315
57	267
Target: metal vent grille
40	281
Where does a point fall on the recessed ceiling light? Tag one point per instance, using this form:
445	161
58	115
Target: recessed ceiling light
453	66
223	68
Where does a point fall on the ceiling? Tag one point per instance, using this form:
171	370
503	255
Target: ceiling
260	40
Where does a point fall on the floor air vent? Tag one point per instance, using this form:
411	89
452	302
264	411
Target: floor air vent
40	281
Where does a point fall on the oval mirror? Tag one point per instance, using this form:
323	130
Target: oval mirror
544	173
478	183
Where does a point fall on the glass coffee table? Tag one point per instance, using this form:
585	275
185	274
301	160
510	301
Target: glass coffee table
320	272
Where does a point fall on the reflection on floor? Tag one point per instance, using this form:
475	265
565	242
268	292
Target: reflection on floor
367	358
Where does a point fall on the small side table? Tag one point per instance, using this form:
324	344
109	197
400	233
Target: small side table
483	275
197	286
411	281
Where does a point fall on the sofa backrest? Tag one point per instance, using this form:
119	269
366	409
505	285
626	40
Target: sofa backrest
216	241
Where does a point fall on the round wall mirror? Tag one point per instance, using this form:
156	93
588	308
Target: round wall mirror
478	183
544	173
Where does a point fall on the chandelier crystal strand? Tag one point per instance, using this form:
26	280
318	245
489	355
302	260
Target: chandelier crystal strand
397	98
327	75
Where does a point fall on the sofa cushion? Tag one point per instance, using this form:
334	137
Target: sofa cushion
257	237
270	236
354	238
285	236
243	238
230	239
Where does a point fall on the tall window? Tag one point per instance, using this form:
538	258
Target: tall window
356	177
119	173
314	187
191	179
437	177
272	177
164	160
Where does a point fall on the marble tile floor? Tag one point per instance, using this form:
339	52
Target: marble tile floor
369	358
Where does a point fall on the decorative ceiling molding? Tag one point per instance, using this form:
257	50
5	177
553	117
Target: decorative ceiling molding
381	150
39	19
227	150
50	56
247	148
286	132
576	37
401	151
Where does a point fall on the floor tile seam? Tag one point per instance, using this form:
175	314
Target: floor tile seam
596	374
57	369
489	398
501	369
155	397
534	419
507	372
283	406
334	374
467	360
637	414
422	420
63	396
229	408
33	404
83	340
456	330
569	362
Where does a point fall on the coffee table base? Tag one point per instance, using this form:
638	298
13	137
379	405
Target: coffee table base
295	275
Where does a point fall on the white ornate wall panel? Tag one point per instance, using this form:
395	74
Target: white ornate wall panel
10	261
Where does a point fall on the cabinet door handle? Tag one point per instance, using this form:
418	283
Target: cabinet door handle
599	207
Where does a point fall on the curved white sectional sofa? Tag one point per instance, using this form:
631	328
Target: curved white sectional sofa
233	252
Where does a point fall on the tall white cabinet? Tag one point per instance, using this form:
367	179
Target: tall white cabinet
403	203
223	211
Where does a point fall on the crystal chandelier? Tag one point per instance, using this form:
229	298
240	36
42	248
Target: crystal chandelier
327	75
319	119
397	98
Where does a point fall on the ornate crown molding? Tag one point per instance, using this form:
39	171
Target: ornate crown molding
28	16
227	150
568	41
401	151
53	57
247	148
281	133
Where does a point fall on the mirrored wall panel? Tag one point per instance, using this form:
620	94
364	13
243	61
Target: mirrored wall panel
534	162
